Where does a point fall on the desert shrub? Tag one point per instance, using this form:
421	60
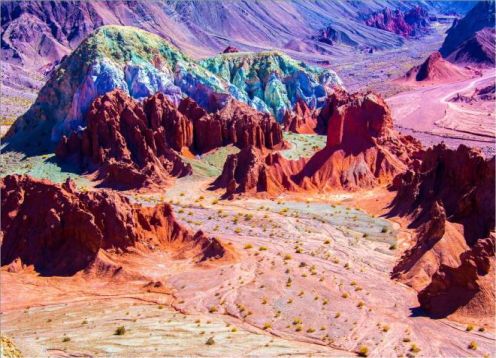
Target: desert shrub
120	331
414	348
363	351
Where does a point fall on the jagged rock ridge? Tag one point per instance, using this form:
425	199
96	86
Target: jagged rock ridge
61	231
133	145
450	198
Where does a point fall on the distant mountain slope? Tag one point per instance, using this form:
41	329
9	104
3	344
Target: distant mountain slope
478	49
36	34
481	16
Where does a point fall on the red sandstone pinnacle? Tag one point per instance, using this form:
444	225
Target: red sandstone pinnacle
450	198
357	120
161	113
301	120
60	230
362	151
127	148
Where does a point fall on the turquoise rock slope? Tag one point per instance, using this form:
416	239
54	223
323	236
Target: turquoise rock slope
272	81
142	63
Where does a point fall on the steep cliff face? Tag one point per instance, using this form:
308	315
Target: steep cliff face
479	49
450	198
362	151
61	231
467	290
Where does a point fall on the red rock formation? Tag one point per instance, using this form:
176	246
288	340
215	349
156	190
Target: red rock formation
412	23
301	120
436	69
362	151
236	123
230	49
161	113
128	149
134	145
61	231
357	120
250	171
467	289
450	199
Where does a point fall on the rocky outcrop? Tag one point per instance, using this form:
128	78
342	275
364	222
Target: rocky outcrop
468	290
362	151
450	200
240	125
113	57
487	93
142	64
134	145
230	49
478	50
436	69
162	114
127	148
251	171
301	120
61	231
331	36
412	23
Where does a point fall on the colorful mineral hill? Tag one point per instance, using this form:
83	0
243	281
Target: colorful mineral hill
141	64
192	178
136	61
272	81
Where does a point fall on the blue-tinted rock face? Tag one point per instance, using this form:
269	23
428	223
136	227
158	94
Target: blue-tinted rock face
273	81
141	64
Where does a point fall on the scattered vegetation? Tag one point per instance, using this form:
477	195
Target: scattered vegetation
120	331
414	348
363	351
